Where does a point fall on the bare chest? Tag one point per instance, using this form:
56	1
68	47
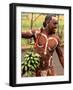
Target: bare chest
45	44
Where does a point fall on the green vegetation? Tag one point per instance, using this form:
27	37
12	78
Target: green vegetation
29	64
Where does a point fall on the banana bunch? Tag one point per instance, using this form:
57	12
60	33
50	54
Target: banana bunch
30	63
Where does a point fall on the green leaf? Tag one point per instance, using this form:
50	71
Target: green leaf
26	56
25	68
32	61
31	58
36	59
25	63
22	67
29	63
32	67
35	66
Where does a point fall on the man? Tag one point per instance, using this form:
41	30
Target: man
46	41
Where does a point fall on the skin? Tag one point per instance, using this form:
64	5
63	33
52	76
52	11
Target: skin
49	31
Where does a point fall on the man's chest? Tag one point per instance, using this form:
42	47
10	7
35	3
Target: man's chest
45	42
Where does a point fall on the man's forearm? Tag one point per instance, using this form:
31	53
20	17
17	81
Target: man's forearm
60	55
61	58
26	34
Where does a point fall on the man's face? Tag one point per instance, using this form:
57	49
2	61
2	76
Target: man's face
52	25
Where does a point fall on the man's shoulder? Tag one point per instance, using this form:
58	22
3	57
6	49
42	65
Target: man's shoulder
56	36
36	31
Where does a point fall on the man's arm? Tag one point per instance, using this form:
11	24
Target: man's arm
28	34
60	53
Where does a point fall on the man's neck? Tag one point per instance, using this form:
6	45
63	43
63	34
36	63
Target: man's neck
47	32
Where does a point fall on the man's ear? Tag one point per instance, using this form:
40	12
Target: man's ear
47	24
